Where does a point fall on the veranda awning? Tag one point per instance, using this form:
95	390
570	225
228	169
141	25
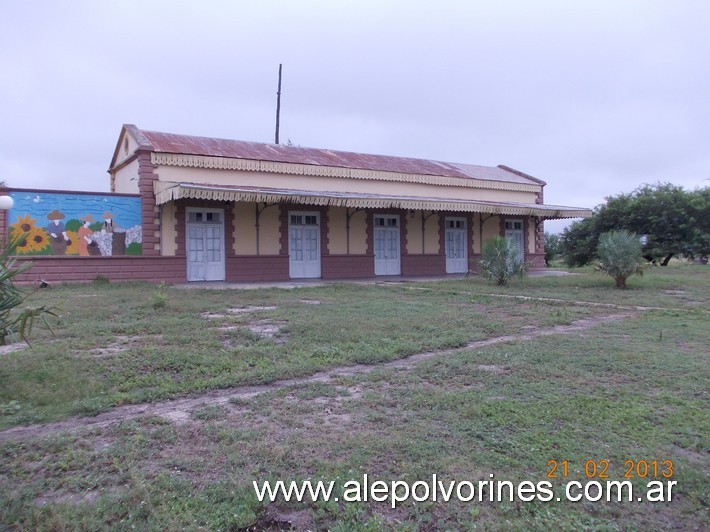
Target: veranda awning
166	191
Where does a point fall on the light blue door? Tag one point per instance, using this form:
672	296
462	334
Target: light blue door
304	245
387	253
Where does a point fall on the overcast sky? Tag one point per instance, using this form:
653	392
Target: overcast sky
594	97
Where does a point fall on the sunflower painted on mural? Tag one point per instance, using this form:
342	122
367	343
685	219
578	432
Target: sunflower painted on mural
72	243
23	224
34	238
37	240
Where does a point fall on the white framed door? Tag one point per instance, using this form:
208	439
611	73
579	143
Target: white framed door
304	244
514	231
386	236
205	244
456	245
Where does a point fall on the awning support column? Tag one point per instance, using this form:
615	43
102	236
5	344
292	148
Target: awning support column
424	219
349	215
258	215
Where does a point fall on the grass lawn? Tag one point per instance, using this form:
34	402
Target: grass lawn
401	391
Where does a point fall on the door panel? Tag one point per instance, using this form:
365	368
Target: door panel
387	252
456	245
304	245
195	253
205	245
214	264
514	231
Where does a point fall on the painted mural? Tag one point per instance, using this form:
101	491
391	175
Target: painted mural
82	225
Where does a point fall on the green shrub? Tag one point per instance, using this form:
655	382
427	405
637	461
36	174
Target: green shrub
619	254
160	297
501	260
15	324
552	247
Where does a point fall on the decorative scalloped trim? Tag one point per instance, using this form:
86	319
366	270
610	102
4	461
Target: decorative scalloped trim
182	190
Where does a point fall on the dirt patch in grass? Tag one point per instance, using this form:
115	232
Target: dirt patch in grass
309	301
118	345
268	329
213	316
251	308
496	398
695	457
121	344
11	348
178	410
235	310
75	499
329	419
277	518
684	345
581	303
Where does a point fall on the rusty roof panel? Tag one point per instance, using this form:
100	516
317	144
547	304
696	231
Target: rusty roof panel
237	149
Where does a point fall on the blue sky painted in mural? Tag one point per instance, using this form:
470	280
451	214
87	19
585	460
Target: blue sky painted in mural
126	210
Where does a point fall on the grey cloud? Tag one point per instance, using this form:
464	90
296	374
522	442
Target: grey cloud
596	98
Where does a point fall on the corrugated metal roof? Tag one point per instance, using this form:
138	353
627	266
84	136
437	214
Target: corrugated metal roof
191	145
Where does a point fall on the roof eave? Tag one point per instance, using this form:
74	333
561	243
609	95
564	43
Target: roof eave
140	139
521	174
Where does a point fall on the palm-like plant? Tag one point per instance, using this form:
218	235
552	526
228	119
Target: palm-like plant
619	254
16	324
501	260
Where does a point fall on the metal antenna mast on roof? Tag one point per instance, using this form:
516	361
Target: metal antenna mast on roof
278	107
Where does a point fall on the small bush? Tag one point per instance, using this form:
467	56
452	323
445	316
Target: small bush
619	254
16	324
502	260
160	297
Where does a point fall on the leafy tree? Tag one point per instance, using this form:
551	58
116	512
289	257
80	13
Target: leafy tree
578	242
552	247
671	220
699	211
661	214
501	260
619	255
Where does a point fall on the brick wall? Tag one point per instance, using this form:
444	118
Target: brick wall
72	269
423	265
248	268
537	259
3	223
347	266
151	227
540	226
